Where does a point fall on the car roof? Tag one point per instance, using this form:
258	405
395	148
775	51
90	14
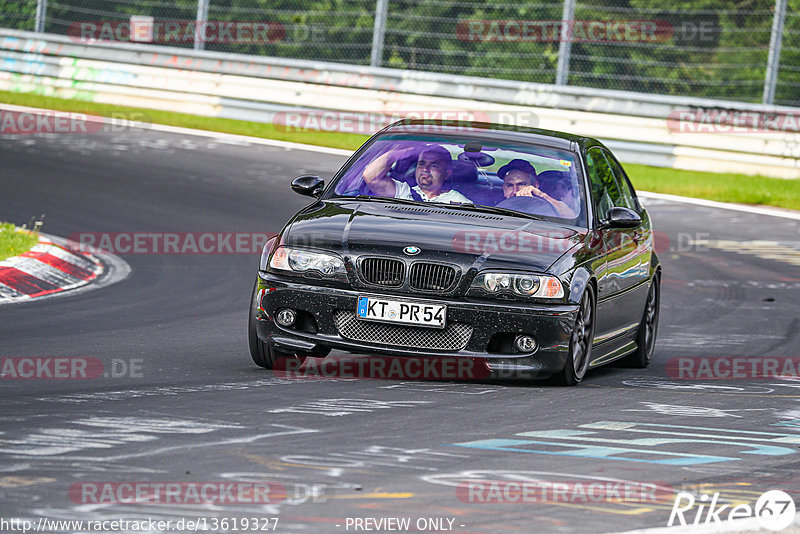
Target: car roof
504	132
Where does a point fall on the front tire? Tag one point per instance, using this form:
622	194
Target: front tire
580	343
648	328
263	355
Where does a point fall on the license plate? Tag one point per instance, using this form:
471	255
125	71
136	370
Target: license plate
401	311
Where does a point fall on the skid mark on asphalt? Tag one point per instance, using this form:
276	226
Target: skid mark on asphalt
698	387
456	389
753	344
335	464
278	465
55	465
792	331
280	430
303	492
166	391
112	432
691	411
677	337
708	304
116	432
784	252
782	284
340	407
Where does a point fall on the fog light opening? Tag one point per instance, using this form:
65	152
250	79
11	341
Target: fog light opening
524	343
286	317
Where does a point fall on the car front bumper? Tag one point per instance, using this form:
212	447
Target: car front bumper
334	324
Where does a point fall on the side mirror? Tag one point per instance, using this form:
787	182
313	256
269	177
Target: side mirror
619	217
309	185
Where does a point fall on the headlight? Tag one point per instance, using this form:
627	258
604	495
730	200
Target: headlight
521	285
265	252
307	262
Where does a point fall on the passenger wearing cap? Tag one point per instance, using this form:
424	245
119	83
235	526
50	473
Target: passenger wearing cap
433	171
519	179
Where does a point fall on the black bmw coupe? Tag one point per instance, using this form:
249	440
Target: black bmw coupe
522	248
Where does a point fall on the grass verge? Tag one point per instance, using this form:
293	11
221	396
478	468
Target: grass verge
728	187
14	241
723	187
185	120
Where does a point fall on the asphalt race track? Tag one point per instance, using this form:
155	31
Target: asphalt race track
195	408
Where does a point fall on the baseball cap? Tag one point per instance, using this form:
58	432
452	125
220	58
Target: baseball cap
516	165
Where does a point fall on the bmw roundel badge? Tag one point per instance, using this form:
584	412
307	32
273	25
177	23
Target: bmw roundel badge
411	250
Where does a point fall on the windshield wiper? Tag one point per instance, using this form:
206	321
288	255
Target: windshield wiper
493	209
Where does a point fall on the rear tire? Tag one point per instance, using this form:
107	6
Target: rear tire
648	328
263	355
580	343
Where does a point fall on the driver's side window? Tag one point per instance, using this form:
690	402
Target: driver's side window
605	190
629	199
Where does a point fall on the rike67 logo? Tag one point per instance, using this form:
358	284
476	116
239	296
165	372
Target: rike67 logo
774	510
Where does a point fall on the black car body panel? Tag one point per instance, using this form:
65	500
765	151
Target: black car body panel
358	228
551	325
619	263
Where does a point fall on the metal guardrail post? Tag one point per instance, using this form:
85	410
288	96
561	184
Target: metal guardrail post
774	58
200	24
41	15
376	58
565	43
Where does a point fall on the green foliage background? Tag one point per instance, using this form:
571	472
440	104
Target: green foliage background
727	61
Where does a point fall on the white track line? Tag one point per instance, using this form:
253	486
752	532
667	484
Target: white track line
757	210
189	131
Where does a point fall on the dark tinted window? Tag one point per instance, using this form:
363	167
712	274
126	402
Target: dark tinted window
605	190
628	196
481	174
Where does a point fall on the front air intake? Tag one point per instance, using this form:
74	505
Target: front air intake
432	276
384	272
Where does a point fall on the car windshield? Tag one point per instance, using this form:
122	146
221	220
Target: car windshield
526	180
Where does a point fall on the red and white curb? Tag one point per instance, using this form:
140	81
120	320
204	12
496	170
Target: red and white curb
46	269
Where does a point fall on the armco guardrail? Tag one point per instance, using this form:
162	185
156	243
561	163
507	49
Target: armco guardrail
639	127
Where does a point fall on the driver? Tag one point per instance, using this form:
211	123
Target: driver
434	168
519	179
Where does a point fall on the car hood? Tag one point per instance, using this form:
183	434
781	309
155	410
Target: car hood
469	239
